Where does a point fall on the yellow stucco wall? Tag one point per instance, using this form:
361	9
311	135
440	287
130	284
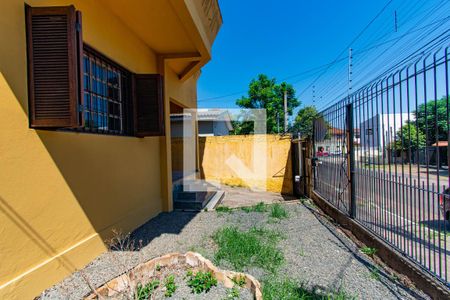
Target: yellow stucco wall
216	150
61	192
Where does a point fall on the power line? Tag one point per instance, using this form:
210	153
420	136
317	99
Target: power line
440	22
426	49
351	43
405	45
318	68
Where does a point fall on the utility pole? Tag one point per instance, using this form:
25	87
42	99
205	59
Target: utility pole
285	111
350	72
278	122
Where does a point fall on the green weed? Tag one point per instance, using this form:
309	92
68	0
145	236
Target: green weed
223	209
368	251
260	207
239	280
374	273
288	289
144	292
233	294
301	252
170	286
256	247
277	211
201	281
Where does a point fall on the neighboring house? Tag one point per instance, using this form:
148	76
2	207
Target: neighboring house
212	122
86	89
379	131
331	139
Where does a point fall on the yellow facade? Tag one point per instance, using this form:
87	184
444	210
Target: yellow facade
61	193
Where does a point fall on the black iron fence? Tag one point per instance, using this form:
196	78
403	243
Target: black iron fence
383	159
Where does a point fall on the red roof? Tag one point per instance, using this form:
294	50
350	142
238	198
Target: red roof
441	144
336	131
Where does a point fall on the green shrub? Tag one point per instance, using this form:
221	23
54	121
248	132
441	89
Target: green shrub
256	247
201	281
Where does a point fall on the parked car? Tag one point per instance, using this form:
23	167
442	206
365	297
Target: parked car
444	203
322	153
335	152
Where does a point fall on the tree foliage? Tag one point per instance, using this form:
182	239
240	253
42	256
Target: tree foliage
304	121
242	127
428	120
266	93
409	137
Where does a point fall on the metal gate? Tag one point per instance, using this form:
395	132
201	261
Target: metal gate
381	157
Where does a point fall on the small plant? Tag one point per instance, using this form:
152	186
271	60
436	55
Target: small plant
278	212
170	286
368	251
158	267
301	252
260	207
201	281
233	294
394	277
239	280
144	292
374	273
223	209
121	242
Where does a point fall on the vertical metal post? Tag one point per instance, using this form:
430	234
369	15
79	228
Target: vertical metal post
351	160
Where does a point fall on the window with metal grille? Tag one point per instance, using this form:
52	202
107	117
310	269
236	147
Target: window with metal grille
107	97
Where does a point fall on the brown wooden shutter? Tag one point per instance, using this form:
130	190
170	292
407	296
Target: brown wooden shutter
54	86
149	105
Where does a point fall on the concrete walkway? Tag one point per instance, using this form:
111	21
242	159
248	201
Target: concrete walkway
239	196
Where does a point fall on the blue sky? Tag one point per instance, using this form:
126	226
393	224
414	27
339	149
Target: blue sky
283	38
279	38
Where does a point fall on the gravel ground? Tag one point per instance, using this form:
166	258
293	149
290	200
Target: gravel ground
316	253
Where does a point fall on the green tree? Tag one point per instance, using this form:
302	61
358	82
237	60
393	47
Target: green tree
428	119
409	137
266	93
242	127
304	121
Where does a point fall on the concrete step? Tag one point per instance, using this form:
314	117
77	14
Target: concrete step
191	200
